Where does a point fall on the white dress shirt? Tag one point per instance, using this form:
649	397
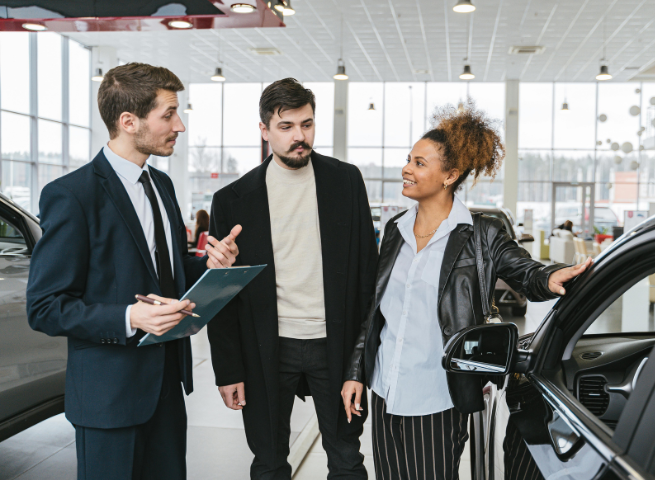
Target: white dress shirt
129	174
408	372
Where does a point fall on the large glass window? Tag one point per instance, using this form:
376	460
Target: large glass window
535	115
79	146
241	114
15	136
324	93
606	137
575	127
15	71
32	135
79	66
49	77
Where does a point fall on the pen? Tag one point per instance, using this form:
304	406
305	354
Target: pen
151	301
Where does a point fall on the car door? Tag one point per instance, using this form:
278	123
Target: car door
32	365
587	361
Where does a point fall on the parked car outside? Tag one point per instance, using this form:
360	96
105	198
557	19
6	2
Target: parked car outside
32	365
504	295
576	399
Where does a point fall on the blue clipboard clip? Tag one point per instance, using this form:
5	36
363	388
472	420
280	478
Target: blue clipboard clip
210	293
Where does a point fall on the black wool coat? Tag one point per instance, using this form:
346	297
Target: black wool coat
244	335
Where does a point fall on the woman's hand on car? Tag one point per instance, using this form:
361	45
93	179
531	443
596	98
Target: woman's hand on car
349	389
558	278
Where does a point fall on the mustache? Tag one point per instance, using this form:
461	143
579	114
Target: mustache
304	145
171	138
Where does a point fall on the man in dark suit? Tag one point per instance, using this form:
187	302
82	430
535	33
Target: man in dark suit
291	329
113	229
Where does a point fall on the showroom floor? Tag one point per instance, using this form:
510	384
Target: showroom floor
217	446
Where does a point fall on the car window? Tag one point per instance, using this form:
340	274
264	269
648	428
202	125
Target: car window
11	239
631	312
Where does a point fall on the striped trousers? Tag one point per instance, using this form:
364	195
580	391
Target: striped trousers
417	448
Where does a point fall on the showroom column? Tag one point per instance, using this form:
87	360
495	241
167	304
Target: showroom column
340	132
178	163
104	58
511	164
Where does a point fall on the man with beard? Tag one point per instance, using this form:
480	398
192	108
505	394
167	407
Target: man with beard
290	330
111	230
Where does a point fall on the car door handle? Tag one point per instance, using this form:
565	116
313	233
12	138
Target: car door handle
566	440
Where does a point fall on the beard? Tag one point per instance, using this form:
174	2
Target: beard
145	143
297	161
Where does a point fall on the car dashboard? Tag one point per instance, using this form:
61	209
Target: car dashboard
603	370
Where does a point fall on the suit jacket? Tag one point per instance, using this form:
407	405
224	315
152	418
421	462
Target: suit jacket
91	261
460	301
244	335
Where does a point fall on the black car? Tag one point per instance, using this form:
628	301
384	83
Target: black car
576	399
32	365
504	295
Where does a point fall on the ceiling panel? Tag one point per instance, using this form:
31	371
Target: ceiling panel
412	40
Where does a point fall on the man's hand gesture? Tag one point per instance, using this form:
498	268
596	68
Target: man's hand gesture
223	254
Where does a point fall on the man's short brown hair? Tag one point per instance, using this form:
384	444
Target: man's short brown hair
133	88
285	94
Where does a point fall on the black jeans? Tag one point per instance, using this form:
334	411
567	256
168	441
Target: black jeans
309	358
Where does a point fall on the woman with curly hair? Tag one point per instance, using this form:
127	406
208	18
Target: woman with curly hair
427	290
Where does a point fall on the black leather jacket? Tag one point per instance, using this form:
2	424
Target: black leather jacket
459	302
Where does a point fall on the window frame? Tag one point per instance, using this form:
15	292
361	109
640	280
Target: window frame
33	115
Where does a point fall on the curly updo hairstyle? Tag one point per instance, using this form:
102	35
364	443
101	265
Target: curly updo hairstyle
469	141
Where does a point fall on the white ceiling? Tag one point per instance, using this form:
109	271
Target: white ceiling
401	40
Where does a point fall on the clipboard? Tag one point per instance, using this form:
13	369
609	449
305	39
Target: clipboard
210	293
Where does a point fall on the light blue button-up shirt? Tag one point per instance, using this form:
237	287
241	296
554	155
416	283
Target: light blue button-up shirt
408	372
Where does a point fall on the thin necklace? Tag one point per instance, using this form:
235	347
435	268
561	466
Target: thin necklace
425	236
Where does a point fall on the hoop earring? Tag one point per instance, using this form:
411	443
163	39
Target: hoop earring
445	186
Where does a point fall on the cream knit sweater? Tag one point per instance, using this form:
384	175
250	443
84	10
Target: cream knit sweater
296	236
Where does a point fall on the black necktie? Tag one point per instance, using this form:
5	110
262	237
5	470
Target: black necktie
162	254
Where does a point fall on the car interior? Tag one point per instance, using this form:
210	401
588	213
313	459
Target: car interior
607	360
11	239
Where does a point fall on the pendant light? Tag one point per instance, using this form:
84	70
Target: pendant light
371	107
218	75
279	6
98	76
242	8
464	6
467	74
604	74
188	108
341	67
288	9
565	106
341	71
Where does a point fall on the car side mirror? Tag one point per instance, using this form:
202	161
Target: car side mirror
525	238
482	349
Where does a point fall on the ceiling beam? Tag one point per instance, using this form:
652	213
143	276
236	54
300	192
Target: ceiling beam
493	41
586	39
563	38
377	35
402	39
